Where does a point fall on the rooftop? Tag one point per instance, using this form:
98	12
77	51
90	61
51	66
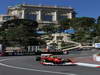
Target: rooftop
38	6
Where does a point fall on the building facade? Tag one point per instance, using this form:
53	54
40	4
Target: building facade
42	14
4	18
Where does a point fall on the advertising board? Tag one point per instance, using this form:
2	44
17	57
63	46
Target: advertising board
97	45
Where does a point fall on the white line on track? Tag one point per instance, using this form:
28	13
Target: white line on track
84	57
3	60
28	69
87	64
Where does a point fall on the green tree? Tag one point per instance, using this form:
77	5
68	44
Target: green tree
65	24
18	31
85	28
50	28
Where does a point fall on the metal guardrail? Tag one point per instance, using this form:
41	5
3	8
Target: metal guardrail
78	45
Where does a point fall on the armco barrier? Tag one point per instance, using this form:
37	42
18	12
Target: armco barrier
19	53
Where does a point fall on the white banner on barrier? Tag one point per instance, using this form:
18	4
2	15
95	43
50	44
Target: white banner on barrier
97	45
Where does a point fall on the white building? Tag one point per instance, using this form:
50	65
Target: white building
4	18
42	14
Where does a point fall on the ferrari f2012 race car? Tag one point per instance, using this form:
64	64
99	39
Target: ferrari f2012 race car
49	59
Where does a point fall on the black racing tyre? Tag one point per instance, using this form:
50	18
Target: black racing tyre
38	58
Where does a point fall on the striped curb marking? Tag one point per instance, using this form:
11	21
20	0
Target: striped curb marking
88	65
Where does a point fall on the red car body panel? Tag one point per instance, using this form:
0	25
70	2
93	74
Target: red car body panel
56	59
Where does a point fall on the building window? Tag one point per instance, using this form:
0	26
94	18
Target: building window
31	16
47	18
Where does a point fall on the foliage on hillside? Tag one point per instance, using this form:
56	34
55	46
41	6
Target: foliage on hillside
19	32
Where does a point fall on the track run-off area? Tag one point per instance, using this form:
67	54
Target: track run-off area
26	65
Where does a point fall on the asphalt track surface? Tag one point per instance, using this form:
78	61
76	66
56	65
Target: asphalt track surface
26	65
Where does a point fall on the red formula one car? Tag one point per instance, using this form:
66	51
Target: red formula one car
49	59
